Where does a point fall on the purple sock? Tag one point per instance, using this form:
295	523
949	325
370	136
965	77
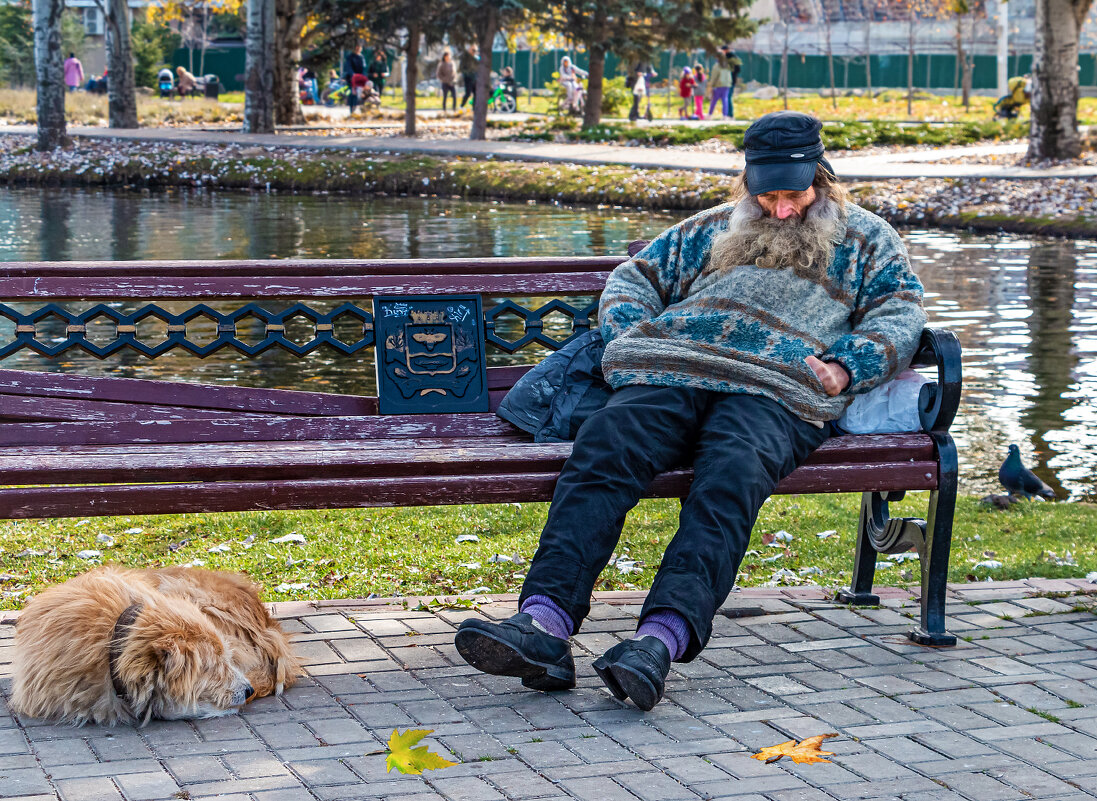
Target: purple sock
668	626
549	615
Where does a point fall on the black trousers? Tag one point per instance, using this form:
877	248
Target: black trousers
470	89
449	90
741	446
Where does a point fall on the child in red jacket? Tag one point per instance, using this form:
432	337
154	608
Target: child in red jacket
685	91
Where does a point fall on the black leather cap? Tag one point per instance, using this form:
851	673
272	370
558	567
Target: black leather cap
782	151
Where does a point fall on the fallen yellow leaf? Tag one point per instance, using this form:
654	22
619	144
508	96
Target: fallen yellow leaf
407	759
804	751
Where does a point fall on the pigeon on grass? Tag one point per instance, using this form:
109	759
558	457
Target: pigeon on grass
1019	480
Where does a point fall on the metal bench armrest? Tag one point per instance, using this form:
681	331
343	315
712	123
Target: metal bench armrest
939	400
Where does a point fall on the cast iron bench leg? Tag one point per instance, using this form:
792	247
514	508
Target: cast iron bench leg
934	555
877	532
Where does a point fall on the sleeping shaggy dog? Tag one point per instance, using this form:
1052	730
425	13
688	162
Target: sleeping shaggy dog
117	645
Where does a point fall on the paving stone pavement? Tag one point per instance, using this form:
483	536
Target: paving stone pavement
1010	713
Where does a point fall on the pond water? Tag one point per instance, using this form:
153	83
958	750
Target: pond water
1024	308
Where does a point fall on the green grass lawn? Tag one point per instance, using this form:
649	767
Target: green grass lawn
352	553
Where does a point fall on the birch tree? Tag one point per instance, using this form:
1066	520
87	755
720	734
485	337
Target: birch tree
291	18
121	85
1053	131
50	73
259	69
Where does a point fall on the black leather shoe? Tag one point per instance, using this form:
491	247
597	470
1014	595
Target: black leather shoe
516	647
636	669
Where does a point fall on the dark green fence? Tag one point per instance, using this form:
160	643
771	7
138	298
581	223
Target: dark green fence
805	72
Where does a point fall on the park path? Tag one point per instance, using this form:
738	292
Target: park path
1010	713
928	163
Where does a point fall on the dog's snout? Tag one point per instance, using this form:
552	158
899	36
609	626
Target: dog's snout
249	693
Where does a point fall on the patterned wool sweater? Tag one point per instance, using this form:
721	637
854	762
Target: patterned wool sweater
749	329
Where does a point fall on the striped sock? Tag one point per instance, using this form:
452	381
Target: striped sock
669	627
548	614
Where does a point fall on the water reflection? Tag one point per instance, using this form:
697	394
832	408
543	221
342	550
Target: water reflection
1025	309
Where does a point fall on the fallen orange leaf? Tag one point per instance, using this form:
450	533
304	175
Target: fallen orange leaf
804	751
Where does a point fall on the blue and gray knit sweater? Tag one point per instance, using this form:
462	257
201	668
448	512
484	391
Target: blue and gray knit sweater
749	329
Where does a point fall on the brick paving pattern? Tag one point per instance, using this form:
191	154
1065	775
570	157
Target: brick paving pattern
1010	713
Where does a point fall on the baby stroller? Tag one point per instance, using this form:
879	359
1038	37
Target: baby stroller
165	81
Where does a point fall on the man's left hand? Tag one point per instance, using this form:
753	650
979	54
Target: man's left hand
831	374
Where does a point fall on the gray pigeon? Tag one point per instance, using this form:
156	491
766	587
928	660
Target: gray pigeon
1019	480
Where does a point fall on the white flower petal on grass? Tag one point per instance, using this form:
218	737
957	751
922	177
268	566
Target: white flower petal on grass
989	564
284	587
783	536
294	537
467	538
133	531
88	554
105	539
224	547
811	571
470	565
500	557
478	590
195	563
884	565
1092	577
824	535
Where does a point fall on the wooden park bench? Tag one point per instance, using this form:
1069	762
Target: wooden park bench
76	445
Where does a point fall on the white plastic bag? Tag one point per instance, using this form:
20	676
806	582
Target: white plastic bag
889	408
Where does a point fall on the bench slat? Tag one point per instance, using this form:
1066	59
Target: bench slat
26	408
232	496
253	285
265	428
315	459
265	267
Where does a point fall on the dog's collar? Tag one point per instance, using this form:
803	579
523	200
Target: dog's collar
117	641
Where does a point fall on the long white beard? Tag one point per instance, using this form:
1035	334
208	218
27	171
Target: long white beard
803	245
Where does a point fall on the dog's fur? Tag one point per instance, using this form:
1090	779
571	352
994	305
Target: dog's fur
200	640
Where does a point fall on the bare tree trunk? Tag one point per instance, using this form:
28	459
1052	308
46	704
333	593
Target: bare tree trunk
488	26
592	114
287	56
121	85
965	77
259	70
1054	128
959	53
411	76
868	56
50	73
830	61
910	64
784	69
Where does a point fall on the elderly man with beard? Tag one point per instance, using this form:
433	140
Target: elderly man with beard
732	340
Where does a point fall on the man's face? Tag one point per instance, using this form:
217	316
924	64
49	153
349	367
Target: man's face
786	203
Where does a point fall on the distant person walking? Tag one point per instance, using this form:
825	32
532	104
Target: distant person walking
378	71
354	65
721	81
74	73
447	77
642	76
736	65
700	86
470	63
